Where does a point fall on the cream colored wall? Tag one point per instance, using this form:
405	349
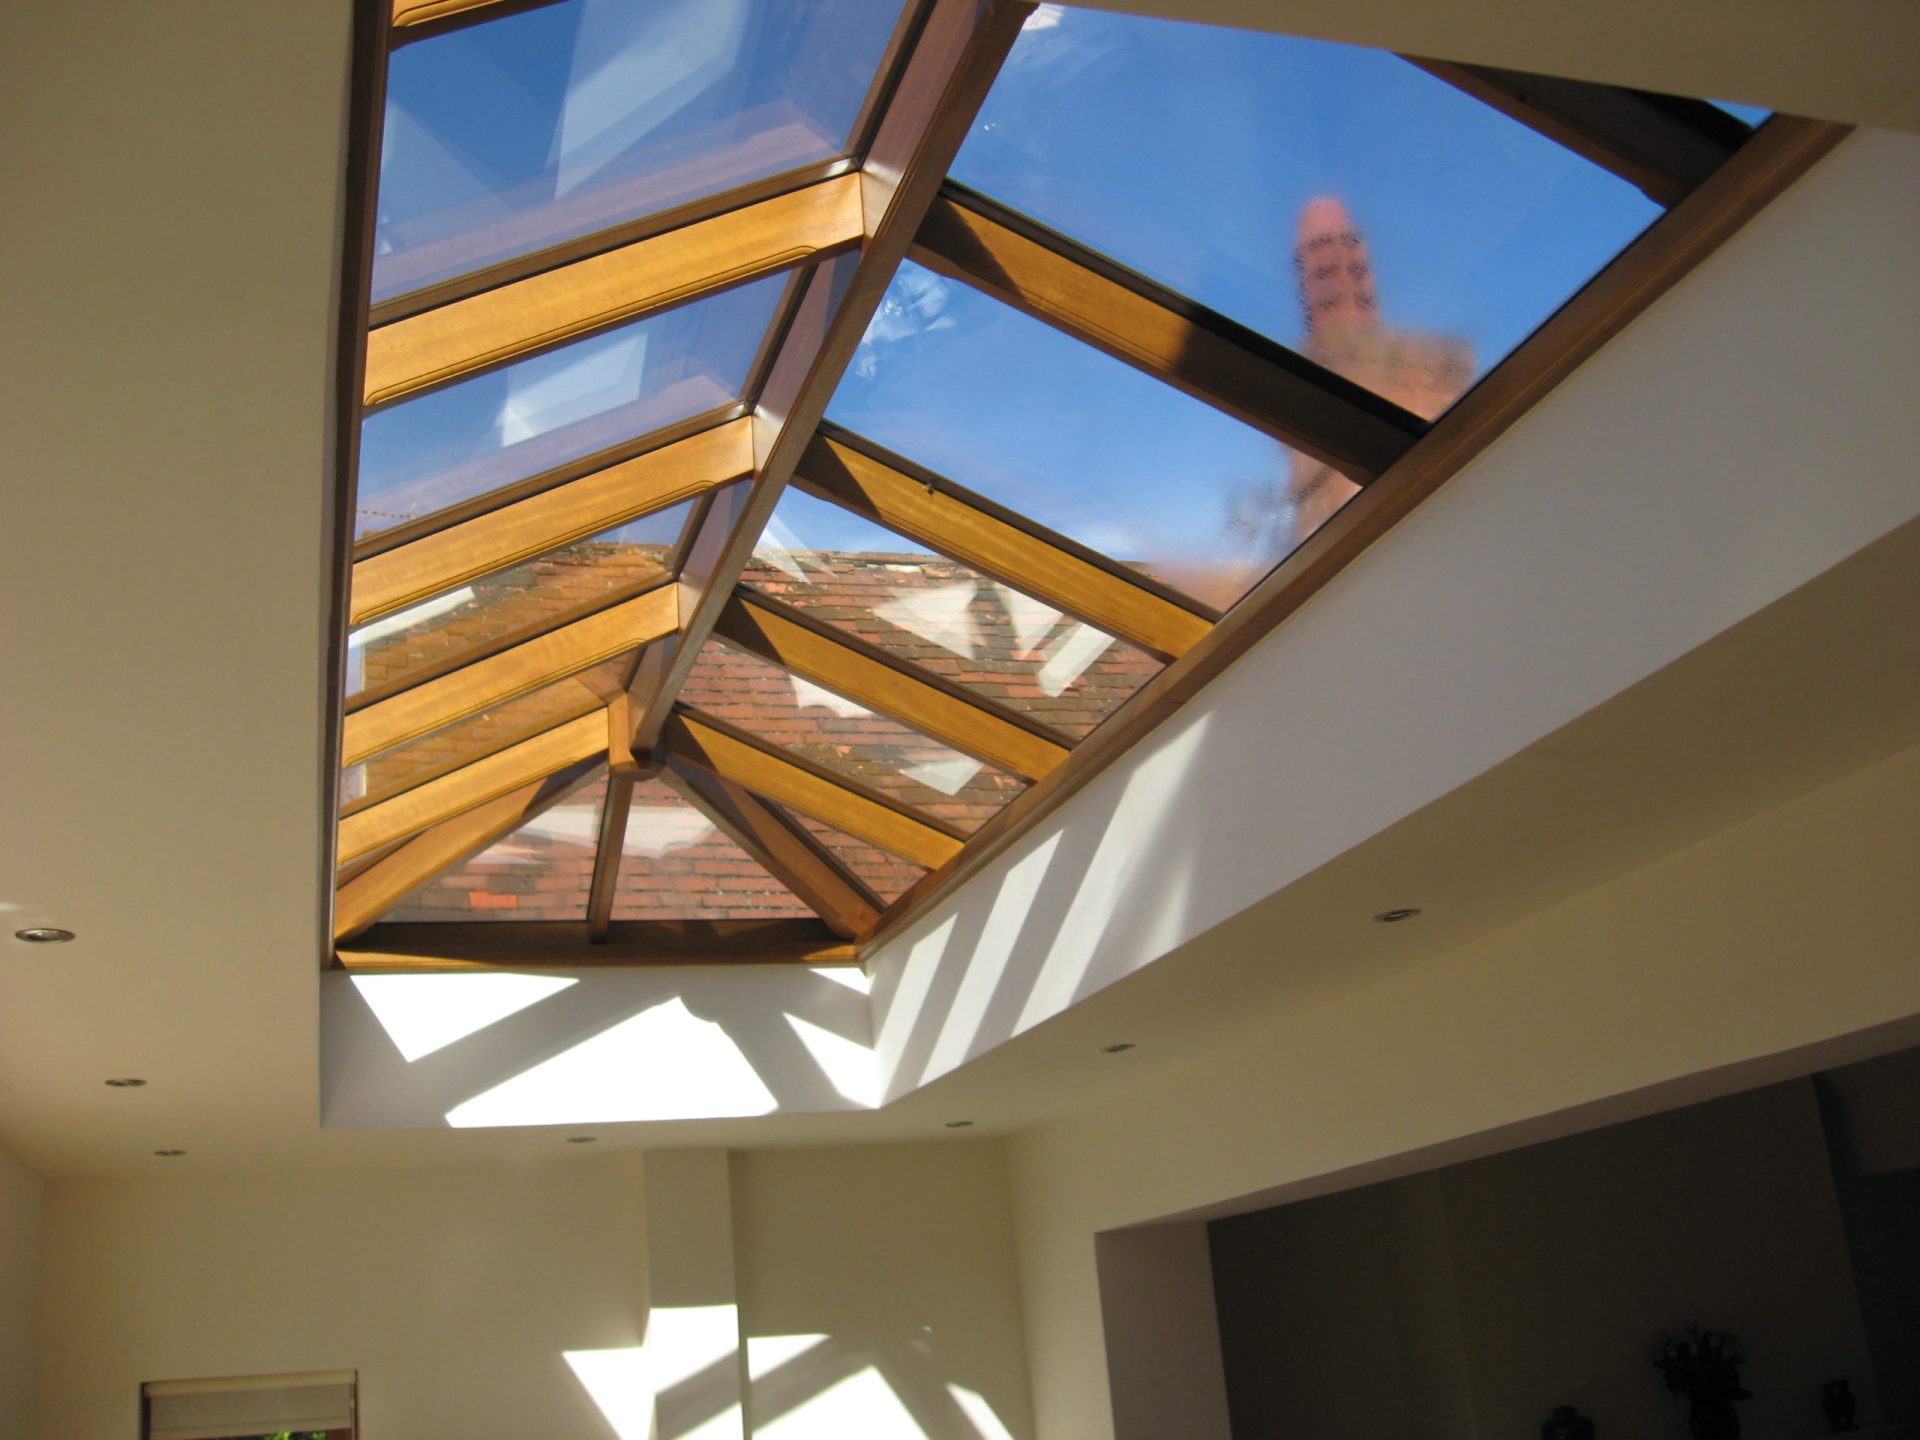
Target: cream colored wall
22	1218
454	1291
877	1293
1698	975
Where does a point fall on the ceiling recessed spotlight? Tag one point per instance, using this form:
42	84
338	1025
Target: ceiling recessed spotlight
43	935
1394	917
1117	1047
169	1154
126	1082
581	1139
958	1124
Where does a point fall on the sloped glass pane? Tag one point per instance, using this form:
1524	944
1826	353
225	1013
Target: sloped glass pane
1082	444
675	865
943	617
439	449
467	740
541	871
887	875
439	633
524	130
797	715
1338	200
1752	116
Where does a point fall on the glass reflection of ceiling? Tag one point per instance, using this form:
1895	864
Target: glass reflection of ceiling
676	864
1106	129
1056	431
511	135
943	617
542	870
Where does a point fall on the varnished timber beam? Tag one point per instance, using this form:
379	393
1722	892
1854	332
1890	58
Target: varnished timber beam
1778	154
882	491
958	52
1204	354
608	848
377	889
864	673
472	786
1662	144
407	13
783	850
541	311
701	742
436	563
536	944
562	651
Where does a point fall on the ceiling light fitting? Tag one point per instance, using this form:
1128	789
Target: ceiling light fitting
1394	917
43	935
1117	1047
126	1082
581	1139
958	1124
169	1154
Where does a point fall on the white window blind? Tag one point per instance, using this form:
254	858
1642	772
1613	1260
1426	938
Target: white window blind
251	1405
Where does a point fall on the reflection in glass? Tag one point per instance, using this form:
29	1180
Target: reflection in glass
943	617
1076	441
1211	160
467	740
541	871
782	709
676	865
429	637
510	135
447	446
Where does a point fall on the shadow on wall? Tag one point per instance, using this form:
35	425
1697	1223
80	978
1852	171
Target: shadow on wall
495	1049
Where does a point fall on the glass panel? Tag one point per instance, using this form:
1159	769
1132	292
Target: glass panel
470	439
1751	116
434	634
541	871
782	709
467	740
675	865
1279	181
1079	442
885	874
513	134
944	617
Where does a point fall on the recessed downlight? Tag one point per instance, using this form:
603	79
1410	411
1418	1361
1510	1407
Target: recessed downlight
958	1124
581	1139
1394	917
43	935
126	1082
169	1154
1117	1047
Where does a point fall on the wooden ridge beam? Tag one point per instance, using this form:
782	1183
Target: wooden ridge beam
704	743
783	849
878	490
527	316
952	64
375	890
1662	144
435	563
558	945
471	786
565	650
1205	355
861	672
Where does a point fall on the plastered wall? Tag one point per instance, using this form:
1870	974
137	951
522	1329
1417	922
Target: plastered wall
22	1215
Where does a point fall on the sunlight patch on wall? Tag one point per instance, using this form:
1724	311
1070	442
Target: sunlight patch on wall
850	1067
634	1384
863	1404
425	1013
979	1413
663	1064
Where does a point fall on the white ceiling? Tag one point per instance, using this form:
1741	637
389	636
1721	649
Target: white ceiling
169	255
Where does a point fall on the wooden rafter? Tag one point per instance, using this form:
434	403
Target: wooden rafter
436	563
1779	153
407	13
1195	350
376	889
782	849
1662	144
541	311
473	785
952	65
839	468
609	845
534	944
700	741
868	675
562	651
